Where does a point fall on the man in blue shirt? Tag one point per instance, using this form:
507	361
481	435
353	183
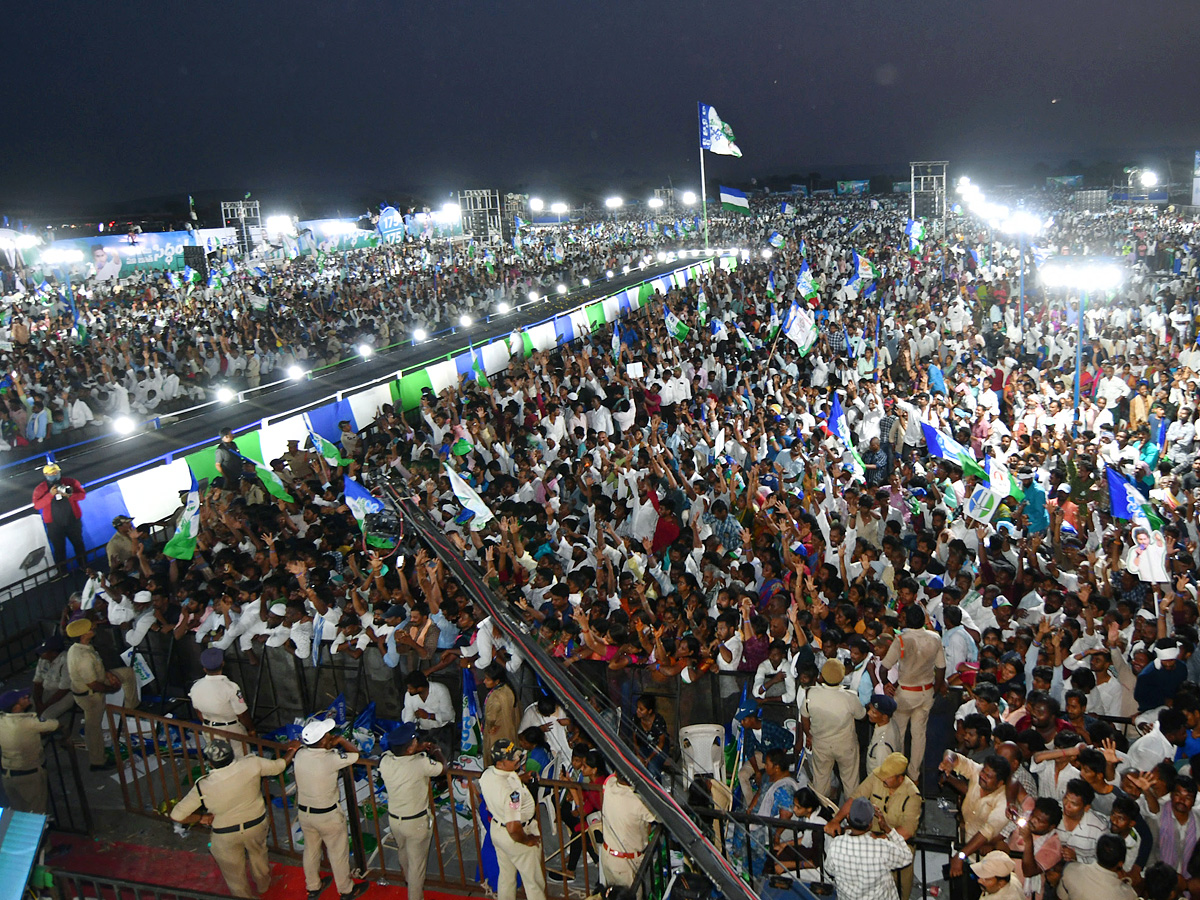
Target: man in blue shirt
1035	503
757	738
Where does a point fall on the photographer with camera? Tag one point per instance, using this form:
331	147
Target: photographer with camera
57	499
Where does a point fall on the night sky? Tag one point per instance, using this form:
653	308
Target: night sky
109	101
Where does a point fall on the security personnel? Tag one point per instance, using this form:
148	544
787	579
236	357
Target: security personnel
407	769
317	767
514	824
21	759
827	717
89	683
219	701
232	796
625	822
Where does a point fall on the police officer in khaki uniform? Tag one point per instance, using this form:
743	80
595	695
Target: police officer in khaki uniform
89	683
514	824
317	767
407	769
218	700
21	759
232	796
827	717
626	825
921	659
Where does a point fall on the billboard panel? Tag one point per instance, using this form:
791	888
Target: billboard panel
853	188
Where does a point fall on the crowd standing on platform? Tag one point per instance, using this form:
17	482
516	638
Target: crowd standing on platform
840	492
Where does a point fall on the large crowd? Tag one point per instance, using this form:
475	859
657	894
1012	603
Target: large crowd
887	554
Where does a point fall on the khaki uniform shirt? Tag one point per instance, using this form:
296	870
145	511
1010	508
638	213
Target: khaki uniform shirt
507	799
407	782
901	807
626	820
316	772
84	667
1091	881
831	712
217	698
918	651
232	794
21	739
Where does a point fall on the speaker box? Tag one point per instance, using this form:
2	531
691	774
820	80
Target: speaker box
196	258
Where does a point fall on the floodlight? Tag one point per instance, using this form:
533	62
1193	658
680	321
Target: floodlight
224	395
280	225
365	350
614	202
1149	179
689	197
766	254
586	282
295	373
419	335
59	256
533	296
124	425
502	308
655	203
559	209
464	321
536	205
562	288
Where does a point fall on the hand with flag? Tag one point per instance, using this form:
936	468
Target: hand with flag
182	544
675	326
363	504
327	449
716	136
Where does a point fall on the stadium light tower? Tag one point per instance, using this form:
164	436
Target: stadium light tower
536	204
1084	274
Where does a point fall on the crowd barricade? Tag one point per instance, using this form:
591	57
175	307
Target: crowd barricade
159	758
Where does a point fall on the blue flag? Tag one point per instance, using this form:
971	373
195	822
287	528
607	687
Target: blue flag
937	381
775	239
1128	502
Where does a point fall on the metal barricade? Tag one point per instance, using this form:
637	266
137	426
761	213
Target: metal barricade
159	758
74	886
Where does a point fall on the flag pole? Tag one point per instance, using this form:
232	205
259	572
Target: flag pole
703	188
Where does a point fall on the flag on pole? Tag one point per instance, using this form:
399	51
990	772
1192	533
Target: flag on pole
734	200
675	325
801	328
806	287
701	308
853	231
477	367
1002	481
864	269
771	283
470	500
742	339
182	544
803	249
716	136
840	429
272	482
773	324
775	239
328	451
945	447
1127	502
471	735
787	209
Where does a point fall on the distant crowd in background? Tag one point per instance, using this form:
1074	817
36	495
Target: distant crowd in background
838	498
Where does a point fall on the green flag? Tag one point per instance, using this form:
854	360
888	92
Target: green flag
182	544
273	483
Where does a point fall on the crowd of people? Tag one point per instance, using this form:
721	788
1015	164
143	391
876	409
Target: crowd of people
891	553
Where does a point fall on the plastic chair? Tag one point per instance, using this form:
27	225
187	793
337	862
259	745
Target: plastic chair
703	750
546	795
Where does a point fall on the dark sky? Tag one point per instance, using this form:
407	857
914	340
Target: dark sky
118	100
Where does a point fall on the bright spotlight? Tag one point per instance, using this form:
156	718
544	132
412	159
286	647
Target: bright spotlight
766	254
295	373
451	210
124	425
280	225
655	202
224	395
689	197
533	296
745	254
464	321
661	256
365	350
536	205
559	209
419	335
1149	179
59	256
502	308
608	274
624	270
587	282
562	288
614	202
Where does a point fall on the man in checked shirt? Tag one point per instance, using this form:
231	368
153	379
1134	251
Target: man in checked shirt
861	863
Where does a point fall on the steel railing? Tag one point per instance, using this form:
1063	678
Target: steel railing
78	886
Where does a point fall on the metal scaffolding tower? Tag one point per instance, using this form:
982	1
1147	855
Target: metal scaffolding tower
481	215
514	205
928	198
243	216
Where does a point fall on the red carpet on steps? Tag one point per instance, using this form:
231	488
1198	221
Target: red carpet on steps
189	869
